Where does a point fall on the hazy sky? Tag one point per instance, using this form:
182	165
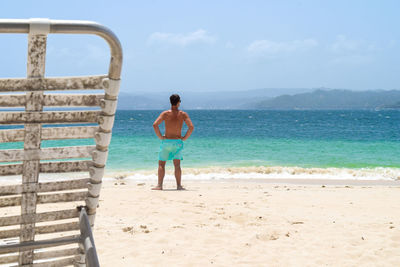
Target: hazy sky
222	45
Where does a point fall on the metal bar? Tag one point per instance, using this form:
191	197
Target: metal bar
87	240
46	229
45	198
62	197
76	132
65	166
52	84
12	135
49	167
55	100
12	100
10	169
56	253
66	152
40	217
49	117
30	167
9	259
75	27
88	27
56	263
23	246
44	187
69	100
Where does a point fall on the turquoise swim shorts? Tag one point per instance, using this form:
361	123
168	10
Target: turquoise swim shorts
170	149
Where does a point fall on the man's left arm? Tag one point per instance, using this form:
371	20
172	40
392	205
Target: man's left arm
189	123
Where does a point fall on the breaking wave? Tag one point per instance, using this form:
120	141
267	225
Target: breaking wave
262	172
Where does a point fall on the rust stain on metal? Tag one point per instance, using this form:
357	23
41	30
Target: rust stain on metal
49	117
46	84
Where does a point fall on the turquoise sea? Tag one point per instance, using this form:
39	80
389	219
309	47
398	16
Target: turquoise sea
351	140
346	143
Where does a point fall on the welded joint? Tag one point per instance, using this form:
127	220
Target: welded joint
106	123
39	26
111	86
92	203
96	174
102	139
108	106
100	157
94	189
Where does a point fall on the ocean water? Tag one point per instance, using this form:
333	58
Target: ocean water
355	144
336	144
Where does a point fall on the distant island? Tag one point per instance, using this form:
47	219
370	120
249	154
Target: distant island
274	99
334	99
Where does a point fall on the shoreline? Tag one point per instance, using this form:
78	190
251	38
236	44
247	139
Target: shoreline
268	181
326	182
264	172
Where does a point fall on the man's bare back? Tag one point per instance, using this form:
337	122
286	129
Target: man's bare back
173	119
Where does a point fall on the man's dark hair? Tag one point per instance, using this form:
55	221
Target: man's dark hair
174	99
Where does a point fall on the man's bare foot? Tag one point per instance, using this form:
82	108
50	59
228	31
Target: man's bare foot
179	187
157	188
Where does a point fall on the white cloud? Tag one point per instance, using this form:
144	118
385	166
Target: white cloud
199	36
342	44
267	47
349	52
352	60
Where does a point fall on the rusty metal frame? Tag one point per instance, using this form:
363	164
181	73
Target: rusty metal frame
33	117
73	27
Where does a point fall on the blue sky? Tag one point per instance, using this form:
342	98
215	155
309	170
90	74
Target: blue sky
222	45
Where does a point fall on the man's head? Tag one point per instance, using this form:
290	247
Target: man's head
175	100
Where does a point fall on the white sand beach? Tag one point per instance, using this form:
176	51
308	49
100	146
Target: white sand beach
250	223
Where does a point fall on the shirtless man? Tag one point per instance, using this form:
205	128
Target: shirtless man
172	142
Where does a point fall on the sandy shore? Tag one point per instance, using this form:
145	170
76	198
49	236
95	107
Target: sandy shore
249	223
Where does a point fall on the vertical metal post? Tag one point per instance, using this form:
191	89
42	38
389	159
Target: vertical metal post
30	175
87	240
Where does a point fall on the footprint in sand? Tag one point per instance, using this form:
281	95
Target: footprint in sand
145	230
267	237
298	222
128	229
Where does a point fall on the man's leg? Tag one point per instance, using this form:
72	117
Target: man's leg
161	174
178	174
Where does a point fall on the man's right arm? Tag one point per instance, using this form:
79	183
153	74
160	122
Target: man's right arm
156	123
189	123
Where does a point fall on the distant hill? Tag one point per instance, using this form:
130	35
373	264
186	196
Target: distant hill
203	100
334	99
266	99
395	105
